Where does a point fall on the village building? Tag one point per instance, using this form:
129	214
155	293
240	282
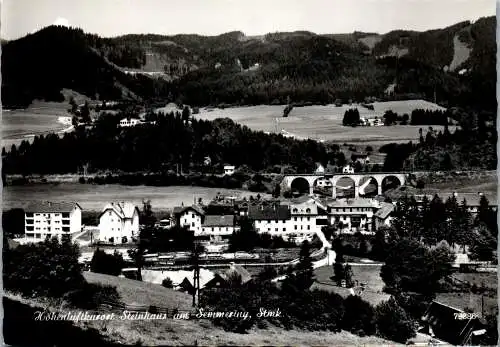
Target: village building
129	122
229	170
273	219
217	228
320	169
48	219
353	215
383	216
224	279
452	324
190	217
348	169
307	217
360	157
119	222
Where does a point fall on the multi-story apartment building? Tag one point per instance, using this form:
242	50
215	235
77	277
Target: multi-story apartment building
119	222
307	217
49	219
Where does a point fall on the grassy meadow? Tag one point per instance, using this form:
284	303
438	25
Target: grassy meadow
323	122
94	197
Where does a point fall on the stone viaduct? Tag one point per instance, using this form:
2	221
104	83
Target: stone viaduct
311	179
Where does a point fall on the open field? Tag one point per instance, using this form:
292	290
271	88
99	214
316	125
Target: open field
94	197
40	118
323	122
487	183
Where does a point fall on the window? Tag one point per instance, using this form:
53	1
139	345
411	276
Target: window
308	219
192	215
29	235
213	228
284	229
295	219
295	227
295	210
308	227
308	210
192	224
276	229
37	228
277	221
268	229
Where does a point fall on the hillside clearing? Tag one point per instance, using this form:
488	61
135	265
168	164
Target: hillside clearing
322	122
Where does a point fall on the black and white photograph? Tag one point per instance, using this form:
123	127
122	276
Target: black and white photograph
249	173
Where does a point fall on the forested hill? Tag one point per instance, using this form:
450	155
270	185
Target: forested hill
456	64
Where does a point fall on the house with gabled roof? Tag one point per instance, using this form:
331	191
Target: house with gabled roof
189	216
217	227
272	219
119	222
44	219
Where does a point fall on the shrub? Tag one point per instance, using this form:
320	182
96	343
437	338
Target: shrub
393	323
49	268
91	295
167	283
359	316
109	264
81	180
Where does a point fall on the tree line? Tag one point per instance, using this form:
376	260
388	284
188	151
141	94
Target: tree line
445	150
171	143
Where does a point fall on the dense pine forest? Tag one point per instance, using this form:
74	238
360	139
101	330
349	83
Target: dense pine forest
235	69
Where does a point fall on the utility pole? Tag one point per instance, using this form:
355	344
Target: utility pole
196	275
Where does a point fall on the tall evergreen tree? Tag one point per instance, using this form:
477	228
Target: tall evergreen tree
304	270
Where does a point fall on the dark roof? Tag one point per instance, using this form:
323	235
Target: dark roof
275	212
181	209
50	207
218	221
359	154
237	270
445	325
384	210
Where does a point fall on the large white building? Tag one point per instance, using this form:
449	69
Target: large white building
190	217
129	122
48	219
217	228
353	214
273	219
119	222
307	217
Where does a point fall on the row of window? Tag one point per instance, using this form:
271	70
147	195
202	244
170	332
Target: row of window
301	218
295	228
220	228
351	209
64	215
30	228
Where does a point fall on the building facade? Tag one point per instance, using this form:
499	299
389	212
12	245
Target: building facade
353	215
190	217
49	219
217	228
119	222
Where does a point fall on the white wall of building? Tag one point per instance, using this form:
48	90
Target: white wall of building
192	220
37	226
112	225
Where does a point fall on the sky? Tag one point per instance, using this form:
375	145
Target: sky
110	18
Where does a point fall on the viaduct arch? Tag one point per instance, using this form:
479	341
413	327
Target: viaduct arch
296	181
